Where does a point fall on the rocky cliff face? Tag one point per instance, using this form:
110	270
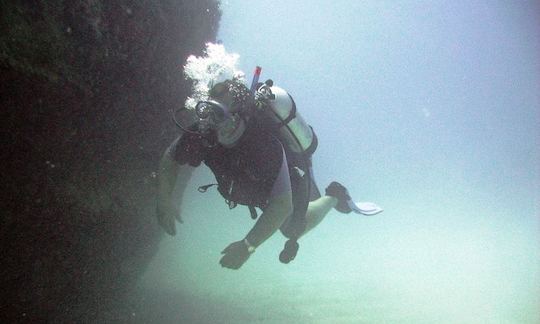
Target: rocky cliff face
86	91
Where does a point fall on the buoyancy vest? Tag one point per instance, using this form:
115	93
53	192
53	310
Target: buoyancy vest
244	173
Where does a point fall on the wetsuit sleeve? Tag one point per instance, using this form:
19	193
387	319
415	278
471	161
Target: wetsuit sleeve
283	181
189	149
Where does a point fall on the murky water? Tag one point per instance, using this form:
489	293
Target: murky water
429	109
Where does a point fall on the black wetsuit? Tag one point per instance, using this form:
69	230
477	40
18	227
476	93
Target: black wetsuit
246	172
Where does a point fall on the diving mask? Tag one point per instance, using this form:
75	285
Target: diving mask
211	113
208	116
222	113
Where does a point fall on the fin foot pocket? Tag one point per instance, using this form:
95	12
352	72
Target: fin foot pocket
337	190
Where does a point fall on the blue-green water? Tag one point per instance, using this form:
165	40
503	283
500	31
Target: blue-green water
432	110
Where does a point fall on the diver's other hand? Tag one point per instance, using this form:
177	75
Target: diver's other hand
166	215
235	255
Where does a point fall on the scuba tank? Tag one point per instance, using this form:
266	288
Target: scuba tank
293	131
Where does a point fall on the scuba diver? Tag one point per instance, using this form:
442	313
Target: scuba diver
259	148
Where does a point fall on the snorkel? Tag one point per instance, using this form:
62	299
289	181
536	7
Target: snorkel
255	80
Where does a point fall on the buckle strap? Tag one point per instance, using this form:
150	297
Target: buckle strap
292	114
203	189
253	212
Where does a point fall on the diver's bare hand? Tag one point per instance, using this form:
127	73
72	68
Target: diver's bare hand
166	215
235	255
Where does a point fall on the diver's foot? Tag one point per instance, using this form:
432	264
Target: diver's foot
336	190
289	251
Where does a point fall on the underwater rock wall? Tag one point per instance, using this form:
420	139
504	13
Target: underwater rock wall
86	92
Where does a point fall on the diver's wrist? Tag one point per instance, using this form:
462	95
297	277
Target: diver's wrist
250	247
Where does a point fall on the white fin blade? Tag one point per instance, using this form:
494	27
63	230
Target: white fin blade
365	208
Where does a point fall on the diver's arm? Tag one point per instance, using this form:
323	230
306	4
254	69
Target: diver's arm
278	209
171	175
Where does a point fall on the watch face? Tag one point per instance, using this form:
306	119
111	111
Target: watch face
250	247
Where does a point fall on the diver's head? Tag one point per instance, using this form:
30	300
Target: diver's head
234	94
225	111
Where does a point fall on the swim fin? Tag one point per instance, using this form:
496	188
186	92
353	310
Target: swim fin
364	208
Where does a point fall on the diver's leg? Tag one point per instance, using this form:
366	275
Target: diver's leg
336	197
317	210
293	229
295	224
307	214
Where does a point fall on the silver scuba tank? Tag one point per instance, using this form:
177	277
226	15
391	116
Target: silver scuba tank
294	131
